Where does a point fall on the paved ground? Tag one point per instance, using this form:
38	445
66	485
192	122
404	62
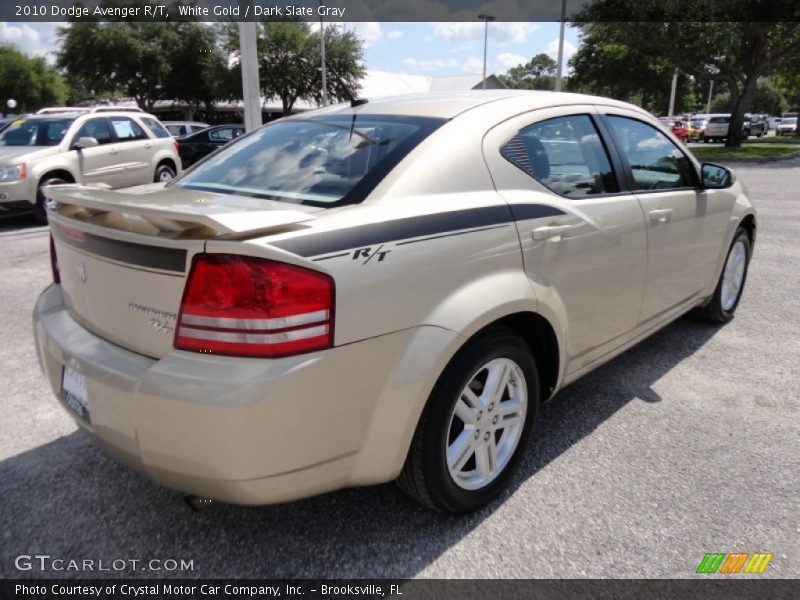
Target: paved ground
686	444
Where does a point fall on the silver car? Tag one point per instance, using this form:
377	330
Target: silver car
106	146
385	291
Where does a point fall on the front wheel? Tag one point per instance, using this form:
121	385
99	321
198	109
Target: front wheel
39	209
729	288
475	425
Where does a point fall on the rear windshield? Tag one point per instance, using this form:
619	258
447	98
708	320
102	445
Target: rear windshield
35	132
323	161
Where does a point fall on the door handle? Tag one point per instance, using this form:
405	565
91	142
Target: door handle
661	215
550	232
113	152
148	146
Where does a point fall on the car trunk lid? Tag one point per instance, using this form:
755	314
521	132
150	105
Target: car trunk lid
124	257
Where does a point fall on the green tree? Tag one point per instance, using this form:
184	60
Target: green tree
146	61
29	80
289	62
607	67
537	74
739	47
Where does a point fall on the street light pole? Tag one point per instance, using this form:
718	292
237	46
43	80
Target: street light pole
561	45
672	93
486	19
251	92
710	93
322	55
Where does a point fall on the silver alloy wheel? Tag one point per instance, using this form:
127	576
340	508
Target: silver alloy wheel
486	424
733	276
165	175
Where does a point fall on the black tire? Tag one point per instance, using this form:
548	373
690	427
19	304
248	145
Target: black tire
39	210
714	311
164	172
425	476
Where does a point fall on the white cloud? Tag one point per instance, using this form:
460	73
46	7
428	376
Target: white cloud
506	60
502	34
395	34
569	50
369	32
473	64
38	39
430	65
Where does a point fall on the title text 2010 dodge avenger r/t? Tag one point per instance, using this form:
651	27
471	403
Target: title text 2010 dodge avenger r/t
380	291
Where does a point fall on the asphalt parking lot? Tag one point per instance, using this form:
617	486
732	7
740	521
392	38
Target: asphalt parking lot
688	443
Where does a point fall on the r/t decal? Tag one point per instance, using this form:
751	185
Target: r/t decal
368	253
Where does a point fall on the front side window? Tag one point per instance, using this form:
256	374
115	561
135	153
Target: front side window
323	161
565	154
95	128
127	130
655	161
35	132
225	134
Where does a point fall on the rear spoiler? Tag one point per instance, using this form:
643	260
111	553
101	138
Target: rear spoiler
154	210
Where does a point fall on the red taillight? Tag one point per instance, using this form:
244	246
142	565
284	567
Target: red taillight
177	145
54	261
246	306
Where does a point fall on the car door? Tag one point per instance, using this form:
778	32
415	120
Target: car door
135	151
685	225
582	235
101	163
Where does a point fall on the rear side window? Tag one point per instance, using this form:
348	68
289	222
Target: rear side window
127	130
565	154
655	161
156	127
720	120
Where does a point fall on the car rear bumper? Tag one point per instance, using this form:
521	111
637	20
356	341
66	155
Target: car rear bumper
249	431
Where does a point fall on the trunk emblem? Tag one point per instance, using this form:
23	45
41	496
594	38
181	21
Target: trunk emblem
80	271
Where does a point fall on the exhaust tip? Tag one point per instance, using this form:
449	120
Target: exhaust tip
197	504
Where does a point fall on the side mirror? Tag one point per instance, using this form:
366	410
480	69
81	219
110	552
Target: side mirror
85	142
716	177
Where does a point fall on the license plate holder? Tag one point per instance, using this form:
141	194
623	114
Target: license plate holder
73	392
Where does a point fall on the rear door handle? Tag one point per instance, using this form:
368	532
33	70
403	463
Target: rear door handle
148	146
661	215
550	231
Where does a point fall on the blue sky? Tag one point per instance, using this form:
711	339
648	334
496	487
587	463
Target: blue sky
414	48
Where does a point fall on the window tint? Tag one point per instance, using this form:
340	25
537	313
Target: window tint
655	161
565	154
156	127
321	161
719	120
95	128
226	134
127	130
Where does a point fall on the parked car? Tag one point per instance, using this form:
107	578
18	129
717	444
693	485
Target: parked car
195	146
787	126
678	128
181	128
717	128
697	127
358	294
754	125
114	148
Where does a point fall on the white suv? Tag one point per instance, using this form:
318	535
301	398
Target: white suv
117	148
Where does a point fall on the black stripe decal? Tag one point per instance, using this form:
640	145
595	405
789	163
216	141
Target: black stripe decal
329	242
140	255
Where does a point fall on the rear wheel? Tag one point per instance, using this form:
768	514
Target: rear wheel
164	173
475	425
731	282
39	209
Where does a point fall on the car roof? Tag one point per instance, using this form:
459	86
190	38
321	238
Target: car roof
184	123
447	105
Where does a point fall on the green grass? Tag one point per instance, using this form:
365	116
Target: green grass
775	139
745	151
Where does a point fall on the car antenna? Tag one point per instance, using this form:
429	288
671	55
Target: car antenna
353	100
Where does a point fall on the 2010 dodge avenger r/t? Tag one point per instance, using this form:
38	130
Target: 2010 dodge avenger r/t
380	291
